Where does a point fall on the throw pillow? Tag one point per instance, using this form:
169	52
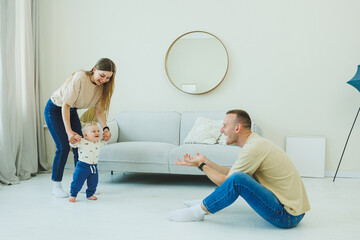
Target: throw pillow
204	131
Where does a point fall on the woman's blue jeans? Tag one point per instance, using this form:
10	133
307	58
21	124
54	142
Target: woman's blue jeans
55	124
262	200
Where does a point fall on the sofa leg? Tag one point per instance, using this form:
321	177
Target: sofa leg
112	172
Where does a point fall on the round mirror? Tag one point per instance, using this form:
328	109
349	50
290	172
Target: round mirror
196	62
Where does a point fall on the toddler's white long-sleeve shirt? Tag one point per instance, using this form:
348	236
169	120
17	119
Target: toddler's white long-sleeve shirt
88	151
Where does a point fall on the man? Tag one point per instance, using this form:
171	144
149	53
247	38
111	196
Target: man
263	175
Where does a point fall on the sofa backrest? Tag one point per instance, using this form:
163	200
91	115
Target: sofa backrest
149	127
188	120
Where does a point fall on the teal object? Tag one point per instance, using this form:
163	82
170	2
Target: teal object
355	81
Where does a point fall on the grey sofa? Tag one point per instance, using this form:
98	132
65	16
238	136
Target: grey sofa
150	142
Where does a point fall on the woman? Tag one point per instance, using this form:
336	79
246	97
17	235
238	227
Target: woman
82	89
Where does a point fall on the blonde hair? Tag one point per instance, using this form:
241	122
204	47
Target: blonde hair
87	125
103	64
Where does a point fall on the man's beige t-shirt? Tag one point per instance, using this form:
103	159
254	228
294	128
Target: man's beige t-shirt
78	91
271	167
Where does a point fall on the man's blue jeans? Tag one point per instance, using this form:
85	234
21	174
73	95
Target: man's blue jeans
262	200
55	124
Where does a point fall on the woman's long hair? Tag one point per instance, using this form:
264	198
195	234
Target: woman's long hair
105	64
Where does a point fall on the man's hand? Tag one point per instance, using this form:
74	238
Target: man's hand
217	174
191	161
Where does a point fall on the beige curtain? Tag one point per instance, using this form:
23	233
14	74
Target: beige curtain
22	151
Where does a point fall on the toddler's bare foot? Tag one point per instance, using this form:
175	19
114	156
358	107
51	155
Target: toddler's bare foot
72	199
92	198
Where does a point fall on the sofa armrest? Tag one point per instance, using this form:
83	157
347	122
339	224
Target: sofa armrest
114	129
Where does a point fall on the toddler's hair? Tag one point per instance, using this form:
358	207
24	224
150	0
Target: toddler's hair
86	126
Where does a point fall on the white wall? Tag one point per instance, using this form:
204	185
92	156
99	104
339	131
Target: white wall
289	60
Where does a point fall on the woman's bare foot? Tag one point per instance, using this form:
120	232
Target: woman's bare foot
92	198
72	199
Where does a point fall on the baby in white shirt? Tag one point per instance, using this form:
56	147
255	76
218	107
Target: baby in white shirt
86	167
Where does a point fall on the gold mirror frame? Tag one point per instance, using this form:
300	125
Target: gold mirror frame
167	58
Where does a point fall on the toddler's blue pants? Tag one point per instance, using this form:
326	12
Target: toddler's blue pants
84	171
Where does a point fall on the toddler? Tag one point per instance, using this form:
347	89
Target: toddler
86	167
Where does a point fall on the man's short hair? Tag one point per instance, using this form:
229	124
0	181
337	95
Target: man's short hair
242	117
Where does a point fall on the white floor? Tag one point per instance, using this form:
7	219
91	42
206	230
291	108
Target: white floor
134	206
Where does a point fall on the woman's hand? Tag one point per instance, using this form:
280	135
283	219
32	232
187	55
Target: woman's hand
106	135
73	137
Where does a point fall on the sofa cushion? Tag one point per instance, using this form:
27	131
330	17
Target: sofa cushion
149	127
188	120
219	154
142	156
205	131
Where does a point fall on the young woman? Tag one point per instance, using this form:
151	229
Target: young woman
82	89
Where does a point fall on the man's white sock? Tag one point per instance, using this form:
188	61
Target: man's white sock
58	192
194	213
190	203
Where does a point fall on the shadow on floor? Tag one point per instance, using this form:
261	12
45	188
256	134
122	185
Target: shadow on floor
163	179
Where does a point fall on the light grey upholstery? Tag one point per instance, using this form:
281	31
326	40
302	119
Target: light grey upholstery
151	142
137	156
219	154
149	127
